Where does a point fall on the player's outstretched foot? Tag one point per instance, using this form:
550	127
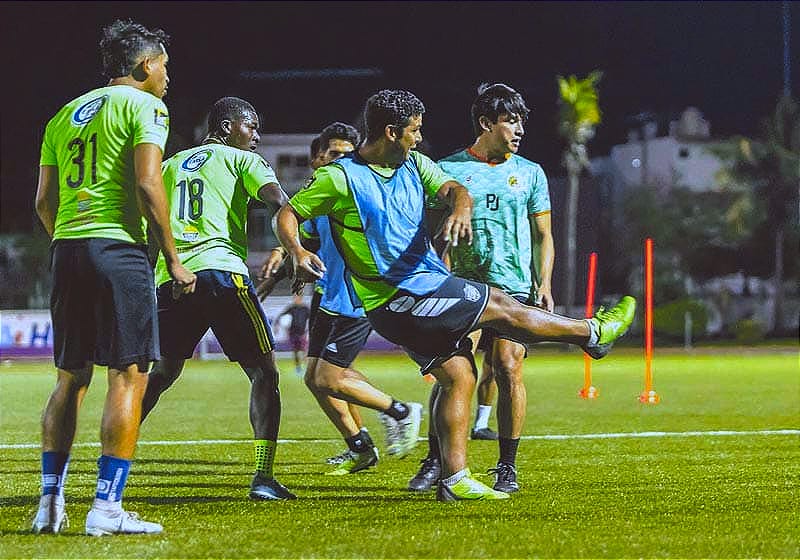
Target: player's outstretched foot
51	516
100	523
356	462
610	325
338	459
427	476
402	435
483	433
263	488
505	478
467	488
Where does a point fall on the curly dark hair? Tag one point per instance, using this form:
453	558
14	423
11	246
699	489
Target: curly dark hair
340	131
494	100
314	148
125	42
228	109
390	107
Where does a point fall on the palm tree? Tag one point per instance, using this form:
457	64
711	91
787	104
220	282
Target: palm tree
765	172
579	114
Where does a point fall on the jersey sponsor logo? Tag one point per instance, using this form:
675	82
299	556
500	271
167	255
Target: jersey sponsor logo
471	293
190	233
84	201
332	348
433	307
402	304
196	160
492	201
160	117
88	110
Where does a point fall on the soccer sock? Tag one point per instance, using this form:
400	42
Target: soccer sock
482	417
594	332
455	478
433	447
367	438
357	443
54	472
508	450
112	473
397	410
264	455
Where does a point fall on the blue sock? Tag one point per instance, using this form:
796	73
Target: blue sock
111	476
54	472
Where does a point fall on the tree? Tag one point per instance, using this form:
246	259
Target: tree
579	114
765	174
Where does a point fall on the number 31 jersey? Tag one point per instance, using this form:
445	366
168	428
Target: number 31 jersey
91	141
209	187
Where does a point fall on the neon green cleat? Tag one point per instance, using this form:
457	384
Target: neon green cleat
610	325
355	462
467	489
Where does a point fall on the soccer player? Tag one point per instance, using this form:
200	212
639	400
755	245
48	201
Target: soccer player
512	209
375	201
338	333
298	313
209	187
99	178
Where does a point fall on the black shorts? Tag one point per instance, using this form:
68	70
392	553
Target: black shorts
337	339
433	327
103	304
488	334
227	303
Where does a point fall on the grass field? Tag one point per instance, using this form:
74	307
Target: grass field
720	483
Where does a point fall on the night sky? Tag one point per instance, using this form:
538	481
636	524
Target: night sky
724	58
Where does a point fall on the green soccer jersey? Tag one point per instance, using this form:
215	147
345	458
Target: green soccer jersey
91	141
209	187
505	196
329	194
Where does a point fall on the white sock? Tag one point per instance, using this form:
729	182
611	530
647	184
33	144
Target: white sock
482	418
455	478
107	506
594	333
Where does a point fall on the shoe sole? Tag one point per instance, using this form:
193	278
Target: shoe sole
342	472
269	497
98	532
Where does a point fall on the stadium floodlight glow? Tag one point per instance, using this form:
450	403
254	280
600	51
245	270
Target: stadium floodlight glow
589	391
648	396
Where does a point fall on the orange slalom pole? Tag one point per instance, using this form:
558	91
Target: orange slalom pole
648	396
589	391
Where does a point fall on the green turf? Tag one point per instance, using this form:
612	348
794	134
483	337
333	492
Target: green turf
720	496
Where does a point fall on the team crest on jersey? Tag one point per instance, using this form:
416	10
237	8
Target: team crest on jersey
161	118
512	180
84	201
88	110
190	233
196	160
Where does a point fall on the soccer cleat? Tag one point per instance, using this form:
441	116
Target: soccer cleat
467	489
263	488
51	516
610	325
428	475
505	478
402	435
356	462
483	433
338	459
100	523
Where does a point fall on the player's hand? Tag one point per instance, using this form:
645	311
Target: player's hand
458	225
544	299
265	287
273	262
308	267
183	280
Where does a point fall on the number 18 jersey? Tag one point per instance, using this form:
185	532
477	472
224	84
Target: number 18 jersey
208	188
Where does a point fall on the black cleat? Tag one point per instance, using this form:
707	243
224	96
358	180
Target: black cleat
484	433
505	478
428	475
263	488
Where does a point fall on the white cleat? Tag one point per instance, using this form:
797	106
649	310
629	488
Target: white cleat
402	435
100	523
51	517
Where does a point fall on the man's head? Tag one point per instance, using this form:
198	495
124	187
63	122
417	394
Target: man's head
334	141
396	116
498	115
234	122
130	49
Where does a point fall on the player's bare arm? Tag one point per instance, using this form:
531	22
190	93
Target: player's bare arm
153	203
543	234
273	193
459	223
307	265
47	197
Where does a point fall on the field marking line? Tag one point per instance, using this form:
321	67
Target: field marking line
557	437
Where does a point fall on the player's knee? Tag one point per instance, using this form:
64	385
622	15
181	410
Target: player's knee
75	379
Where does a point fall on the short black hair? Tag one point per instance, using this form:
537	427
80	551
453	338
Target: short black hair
228	108
125	42
340	131
494	100
390	107
315	147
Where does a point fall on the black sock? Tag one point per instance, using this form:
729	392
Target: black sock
367	439
357	443
508	450
397	410
433	447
